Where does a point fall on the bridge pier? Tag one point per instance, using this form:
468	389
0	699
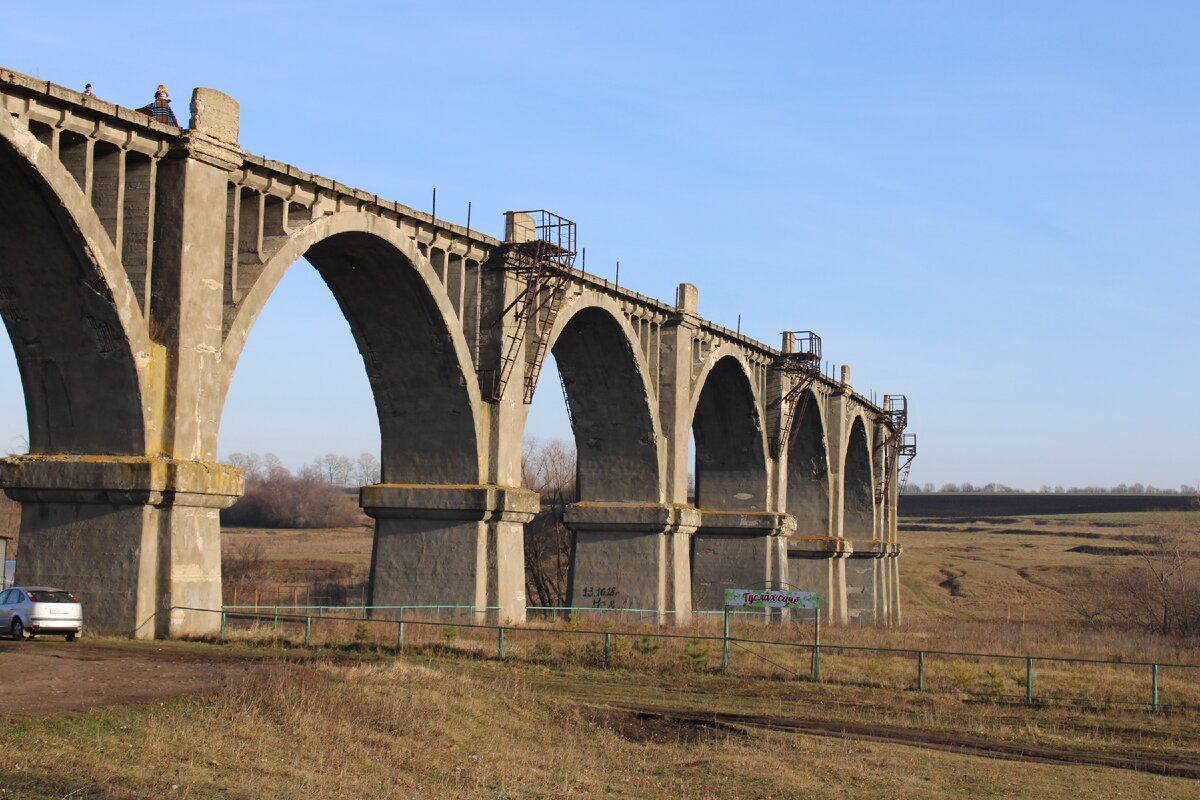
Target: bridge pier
818	564
865	602
737	549
449	545
872	584
632	555
131	537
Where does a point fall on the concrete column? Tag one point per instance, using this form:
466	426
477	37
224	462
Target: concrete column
865	591
893	566
837	435
818	564
675	390
632	555
449	545
136	539
735	550
188	277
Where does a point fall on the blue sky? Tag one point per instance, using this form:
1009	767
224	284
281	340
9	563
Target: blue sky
989	207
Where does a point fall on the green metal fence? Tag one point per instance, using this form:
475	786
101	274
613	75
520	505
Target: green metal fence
1029	679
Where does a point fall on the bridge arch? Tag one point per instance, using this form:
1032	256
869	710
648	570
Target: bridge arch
416	357
858	501
731	453
611	400
79	337
807	497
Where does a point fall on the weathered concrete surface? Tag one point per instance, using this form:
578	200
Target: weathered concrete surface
105	526
631	555
135	258
733	550
449	545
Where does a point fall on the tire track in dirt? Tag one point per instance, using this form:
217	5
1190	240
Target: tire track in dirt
930	740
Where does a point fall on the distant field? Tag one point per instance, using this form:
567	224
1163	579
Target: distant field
1017	569
1012	505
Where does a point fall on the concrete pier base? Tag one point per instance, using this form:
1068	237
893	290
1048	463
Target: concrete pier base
632	555
818	564
734	549
863	579
449	545
871	584
97	526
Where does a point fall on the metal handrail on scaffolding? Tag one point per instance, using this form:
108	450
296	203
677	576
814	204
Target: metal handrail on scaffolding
543	265
895	420
907	452
802	362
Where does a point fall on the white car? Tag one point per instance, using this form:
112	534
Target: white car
33	610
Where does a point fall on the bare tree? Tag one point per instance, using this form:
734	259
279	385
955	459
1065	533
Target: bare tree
333	469
251	464
548	469
1162	592
367	470
1159	592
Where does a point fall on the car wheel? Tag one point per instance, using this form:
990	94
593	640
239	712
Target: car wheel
18	630
71	637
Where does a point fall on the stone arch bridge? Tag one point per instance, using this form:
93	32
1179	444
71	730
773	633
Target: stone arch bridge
135	258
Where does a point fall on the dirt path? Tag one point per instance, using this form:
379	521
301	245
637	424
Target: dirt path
46	676
964	745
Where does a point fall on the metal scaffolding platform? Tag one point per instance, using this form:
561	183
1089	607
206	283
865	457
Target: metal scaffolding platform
542	265
895	409
803	363
906	454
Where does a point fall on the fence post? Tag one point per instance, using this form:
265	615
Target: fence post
607	649
222	627
920	670
307	631
400	631
276	619
1029	680
725	644
500	643
1154	687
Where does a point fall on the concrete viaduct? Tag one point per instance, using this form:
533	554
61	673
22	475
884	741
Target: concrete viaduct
135	258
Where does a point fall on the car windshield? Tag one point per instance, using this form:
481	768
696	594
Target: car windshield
51	596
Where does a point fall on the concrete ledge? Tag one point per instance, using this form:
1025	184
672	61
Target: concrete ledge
120	480
818	547
643	517
459	502
873	549
750	523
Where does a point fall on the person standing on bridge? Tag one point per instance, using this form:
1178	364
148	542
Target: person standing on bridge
160	109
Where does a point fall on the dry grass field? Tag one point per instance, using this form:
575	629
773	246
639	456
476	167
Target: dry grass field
297	566
1015	569
360	723
353	716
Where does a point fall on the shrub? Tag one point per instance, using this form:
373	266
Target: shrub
694	655
645	645
282	500
962	674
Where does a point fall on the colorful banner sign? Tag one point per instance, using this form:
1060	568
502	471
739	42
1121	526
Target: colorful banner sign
771	598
